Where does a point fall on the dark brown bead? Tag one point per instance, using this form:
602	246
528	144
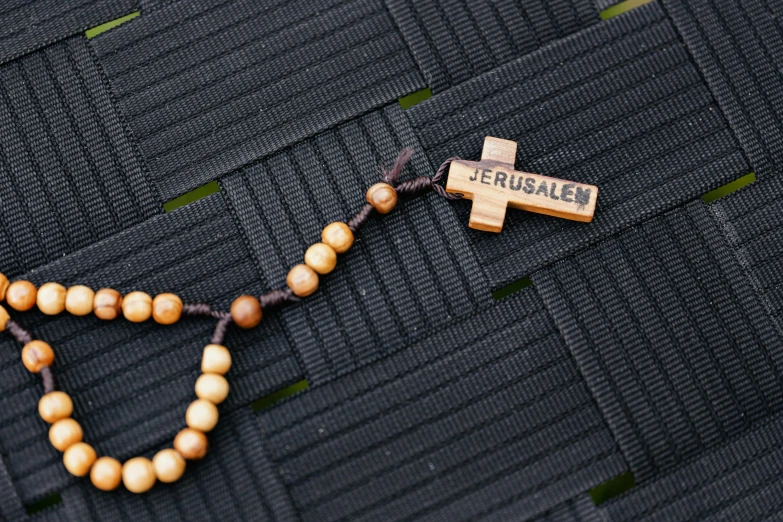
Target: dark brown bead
246	311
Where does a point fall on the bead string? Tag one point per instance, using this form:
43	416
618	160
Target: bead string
139	474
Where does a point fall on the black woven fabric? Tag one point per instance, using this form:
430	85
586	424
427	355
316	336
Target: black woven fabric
456	40
131	383
739	49
409	272
622	107
29	25
69	175
668	333
580	509
739	481
211	86
751	220
487	419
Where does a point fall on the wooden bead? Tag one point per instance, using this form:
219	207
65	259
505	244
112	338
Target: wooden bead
3	286
212	387
21	295
201	415
382	197
79	300
65	433
107	304
216	359
246	311
51	298
138	475
302	280
137	307
321	257
338	236
169	465
54	406
79	458
37	355
4	318
191	444
166	308
106	474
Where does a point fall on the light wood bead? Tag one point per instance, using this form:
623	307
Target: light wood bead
106	474
302	280
21	295
79	458
201	415
54	406
65	433
169	465
107	304
51	298
338	236
216	359
166	308
4	318
138	475
246	311
212	387
382	197
79	300
137	307
3	286
191	444
37	355
321	257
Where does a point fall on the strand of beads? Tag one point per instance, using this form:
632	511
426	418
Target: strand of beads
139	474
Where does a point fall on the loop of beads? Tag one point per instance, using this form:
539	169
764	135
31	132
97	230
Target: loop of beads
139	474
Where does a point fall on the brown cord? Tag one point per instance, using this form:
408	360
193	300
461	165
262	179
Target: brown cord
19	333
49	383
361	217
275	298
220	330
197	309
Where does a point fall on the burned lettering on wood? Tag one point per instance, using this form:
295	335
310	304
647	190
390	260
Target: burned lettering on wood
493	185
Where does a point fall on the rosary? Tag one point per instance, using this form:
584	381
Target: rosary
491	183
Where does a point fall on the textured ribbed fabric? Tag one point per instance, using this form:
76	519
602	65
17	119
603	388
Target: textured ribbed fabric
456	40
739	48
622	107
670	336
409	272
739	481
27	25
488	419
211	86
236	482
579	509
69	176
131	383
11	507
751	220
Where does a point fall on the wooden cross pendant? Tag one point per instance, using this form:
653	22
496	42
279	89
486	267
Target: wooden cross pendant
493	184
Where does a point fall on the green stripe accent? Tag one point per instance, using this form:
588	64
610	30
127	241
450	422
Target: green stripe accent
44	503
512	288
406	102
612	488
194	195
95	31
622	7
728	188
273	398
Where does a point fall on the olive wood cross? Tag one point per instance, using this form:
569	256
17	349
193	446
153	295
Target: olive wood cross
493	184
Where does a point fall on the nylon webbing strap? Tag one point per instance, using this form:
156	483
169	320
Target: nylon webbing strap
752	221
621	107
11	507
408	273
579	509
741	480
131	383
236	482
739	49
669	335
69	176
26	26
488	417
456	40
211	86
